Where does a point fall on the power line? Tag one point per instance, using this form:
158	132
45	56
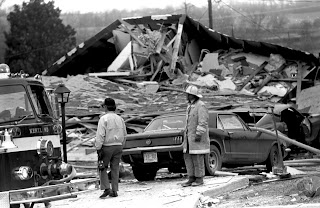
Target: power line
268	12
248	18
202	15
297	1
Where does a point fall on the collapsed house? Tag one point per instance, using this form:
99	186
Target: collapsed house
149	60
172	49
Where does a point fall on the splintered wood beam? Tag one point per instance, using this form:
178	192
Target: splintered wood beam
160	43
261	67
123	24
157	71
269	77
152	63
176	47
299	79
170	43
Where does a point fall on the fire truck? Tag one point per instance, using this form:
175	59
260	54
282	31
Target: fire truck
31	167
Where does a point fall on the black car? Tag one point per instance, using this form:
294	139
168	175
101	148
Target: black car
232	141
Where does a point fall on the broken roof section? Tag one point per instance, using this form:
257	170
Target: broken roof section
171	51
98	53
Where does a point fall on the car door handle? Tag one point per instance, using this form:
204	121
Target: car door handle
231	132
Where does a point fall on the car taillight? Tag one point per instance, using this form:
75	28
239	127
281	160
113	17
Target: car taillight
177	139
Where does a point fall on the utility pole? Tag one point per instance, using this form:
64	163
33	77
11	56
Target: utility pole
185	7
210	13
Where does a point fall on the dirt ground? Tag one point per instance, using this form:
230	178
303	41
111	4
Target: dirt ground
273	193
264	193
166	192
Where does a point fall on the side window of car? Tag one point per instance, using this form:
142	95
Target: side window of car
230	122
219	125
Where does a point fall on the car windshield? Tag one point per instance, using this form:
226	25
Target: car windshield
167	123
14	104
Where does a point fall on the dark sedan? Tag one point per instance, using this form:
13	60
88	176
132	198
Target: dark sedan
233	143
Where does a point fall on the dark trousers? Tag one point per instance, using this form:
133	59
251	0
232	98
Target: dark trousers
194	164
112	155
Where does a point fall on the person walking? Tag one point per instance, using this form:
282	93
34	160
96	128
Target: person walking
110	138
196	143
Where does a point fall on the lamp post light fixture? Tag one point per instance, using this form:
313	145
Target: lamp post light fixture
62	93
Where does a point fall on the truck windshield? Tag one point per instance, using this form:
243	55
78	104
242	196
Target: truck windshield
14	103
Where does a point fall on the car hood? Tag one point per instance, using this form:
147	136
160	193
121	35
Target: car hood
155	134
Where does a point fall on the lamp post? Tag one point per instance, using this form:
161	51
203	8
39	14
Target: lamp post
62	94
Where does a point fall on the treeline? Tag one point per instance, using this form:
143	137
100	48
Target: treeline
289	25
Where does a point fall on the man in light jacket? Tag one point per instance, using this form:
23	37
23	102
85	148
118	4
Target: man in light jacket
109	142
196	142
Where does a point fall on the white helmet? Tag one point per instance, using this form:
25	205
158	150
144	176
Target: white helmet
193	90
4	68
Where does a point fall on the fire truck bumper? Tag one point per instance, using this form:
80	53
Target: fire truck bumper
41	194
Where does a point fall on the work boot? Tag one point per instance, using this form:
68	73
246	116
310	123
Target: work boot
105	194
189	182
113	194
198	181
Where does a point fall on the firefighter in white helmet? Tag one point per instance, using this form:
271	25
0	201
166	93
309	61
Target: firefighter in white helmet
196	141
4	68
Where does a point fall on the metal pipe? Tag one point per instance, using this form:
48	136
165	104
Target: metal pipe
314	160
50	198
280	159
287	139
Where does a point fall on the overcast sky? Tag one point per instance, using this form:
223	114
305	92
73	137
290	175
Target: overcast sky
104	5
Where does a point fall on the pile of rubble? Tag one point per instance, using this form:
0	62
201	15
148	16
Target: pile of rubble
146	63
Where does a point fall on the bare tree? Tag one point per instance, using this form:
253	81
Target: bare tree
1	2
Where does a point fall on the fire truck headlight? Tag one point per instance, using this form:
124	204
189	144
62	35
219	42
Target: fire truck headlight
45	147
23	173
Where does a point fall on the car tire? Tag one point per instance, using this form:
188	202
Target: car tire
273	158
142	173
213	161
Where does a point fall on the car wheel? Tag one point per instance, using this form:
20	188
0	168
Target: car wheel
213	161
142	173
273	158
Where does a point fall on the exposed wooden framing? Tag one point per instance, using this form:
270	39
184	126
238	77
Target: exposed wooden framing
170	43
152	63
161	42
299	79
176	47
109	74
158	69
131	33
176	44
291	80
268	78
261	67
